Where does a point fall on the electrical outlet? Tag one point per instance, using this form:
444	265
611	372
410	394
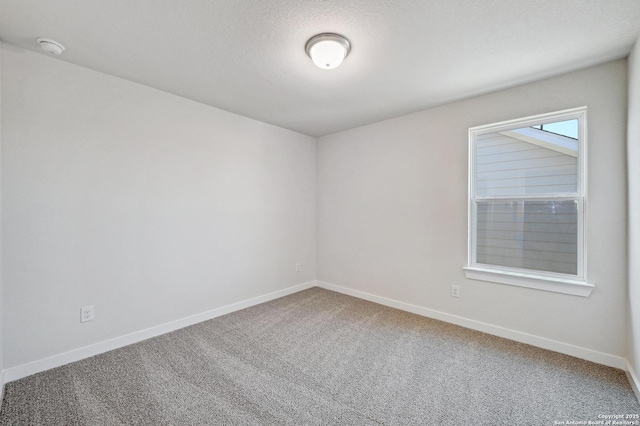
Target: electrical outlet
455	290
297	267
86	314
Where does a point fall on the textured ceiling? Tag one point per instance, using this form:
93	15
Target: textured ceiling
247	56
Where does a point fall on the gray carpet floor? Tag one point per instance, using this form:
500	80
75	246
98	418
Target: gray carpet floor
319	357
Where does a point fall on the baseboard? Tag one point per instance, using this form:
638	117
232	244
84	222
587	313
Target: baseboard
2	383
58	360
518	336
24	370
633	379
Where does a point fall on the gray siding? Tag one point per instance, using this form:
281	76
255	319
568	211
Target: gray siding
508	166
538	235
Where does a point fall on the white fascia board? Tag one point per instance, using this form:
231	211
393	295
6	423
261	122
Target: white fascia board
559	143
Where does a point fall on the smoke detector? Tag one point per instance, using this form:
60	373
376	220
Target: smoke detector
50	46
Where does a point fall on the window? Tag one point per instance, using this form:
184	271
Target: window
527	198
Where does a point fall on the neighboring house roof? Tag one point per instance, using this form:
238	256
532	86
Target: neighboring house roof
556	142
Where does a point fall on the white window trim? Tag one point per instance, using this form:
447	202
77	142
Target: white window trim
547	281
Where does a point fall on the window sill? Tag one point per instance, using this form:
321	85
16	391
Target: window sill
539	282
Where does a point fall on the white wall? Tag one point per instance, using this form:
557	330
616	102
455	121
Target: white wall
149	206
1	239
392	211
633	170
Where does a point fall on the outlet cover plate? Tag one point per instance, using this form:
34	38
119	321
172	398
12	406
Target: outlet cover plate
86	313
455	290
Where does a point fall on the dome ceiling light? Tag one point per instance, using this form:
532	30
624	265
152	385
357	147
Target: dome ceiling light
327	50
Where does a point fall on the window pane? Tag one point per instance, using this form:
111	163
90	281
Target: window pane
526	161
539	235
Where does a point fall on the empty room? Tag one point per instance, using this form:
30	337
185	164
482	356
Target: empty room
367	212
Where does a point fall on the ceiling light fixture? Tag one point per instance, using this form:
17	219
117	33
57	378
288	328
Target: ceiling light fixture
50	46
327	50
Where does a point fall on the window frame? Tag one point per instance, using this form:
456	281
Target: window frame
541	280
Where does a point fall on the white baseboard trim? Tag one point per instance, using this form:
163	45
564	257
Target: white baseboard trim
518	336
2	383
24	370
633	379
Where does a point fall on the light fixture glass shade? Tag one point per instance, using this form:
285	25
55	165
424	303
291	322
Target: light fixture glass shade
328	50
